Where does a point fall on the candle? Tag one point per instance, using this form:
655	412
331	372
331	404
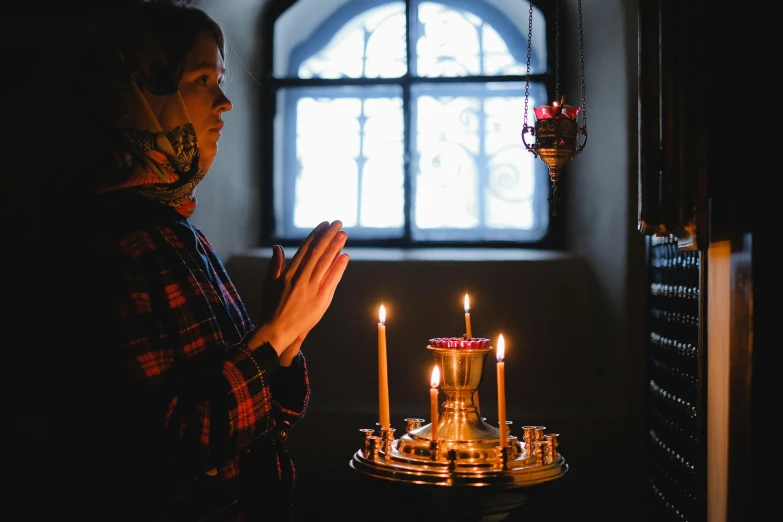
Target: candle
383	378
434	383
468	331
469	335
501	352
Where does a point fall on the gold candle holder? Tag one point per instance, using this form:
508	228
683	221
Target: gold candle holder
466	453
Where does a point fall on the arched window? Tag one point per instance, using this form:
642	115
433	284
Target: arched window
403	119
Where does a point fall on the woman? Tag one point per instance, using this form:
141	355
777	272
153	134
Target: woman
171	404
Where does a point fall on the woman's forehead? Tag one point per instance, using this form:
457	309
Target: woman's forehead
205	54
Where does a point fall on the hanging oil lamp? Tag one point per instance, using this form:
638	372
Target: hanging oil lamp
557	127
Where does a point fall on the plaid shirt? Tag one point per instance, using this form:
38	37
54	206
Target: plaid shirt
199	419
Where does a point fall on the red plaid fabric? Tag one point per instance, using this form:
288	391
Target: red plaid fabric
198	420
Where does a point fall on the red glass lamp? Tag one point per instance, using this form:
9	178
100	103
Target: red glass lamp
556	131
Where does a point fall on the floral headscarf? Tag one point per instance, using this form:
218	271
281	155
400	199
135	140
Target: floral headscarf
155	149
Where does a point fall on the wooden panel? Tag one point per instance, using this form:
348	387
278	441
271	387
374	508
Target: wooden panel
674	466
718	375
673	133
649	202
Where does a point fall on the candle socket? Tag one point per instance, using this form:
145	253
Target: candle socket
540	450
531	434
551	446
375	447
435	447
503	457
411	423
368	432
387	438
451	456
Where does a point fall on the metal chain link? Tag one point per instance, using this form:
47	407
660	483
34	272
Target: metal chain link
527	75
557	59
582	68
557	50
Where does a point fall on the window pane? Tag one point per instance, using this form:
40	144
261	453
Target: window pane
382	194
497	60
339	150
370	45
472	170
510	166
456	42
447	140
327	145
347	162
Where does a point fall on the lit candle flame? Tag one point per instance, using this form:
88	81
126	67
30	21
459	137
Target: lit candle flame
501	369
435	379
467	304
382	315
501	351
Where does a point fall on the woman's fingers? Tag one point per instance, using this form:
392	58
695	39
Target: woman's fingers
281	266
327	259
301	253
272	285
310	280
314	249
276	264
333	276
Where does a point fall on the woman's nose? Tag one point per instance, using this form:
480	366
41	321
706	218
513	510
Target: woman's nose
224	104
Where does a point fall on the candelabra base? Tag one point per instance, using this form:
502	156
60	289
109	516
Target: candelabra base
477	479
461	468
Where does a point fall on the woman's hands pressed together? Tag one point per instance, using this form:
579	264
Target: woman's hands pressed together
297	296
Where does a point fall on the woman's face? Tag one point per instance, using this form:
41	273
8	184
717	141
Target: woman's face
201	90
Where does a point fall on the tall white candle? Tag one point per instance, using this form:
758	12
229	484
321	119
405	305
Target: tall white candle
469	333
468	330
383	378
501	352
434	383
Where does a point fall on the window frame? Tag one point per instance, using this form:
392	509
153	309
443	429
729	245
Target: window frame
553	238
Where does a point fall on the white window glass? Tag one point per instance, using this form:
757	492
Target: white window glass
370	45
327	145
510	167
456	42
352	122
472	169
342	159
382	195
497	60
446	183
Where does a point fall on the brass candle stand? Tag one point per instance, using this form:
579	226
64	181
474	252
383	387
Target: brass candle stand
466	455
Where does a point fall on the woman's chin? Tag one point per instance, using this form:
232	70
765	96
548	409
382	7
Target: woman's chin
207	156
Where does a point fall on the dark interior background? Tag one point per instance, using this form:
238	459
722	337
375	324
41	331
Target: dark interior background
573	319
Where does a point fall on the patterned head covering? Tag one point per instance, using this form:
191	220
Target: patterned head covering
154	143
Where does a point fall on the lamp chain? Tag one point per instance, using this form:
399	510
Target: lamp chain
557	50
583	111
527	75
582	69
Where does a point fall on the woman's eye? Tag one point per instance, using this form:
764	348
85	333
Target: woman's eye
203	79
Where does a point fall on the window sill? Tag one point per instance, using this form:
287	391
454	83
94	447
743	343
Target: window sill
433	254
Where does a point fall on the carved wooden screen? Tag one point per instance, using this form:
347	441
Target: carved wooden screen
675	445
